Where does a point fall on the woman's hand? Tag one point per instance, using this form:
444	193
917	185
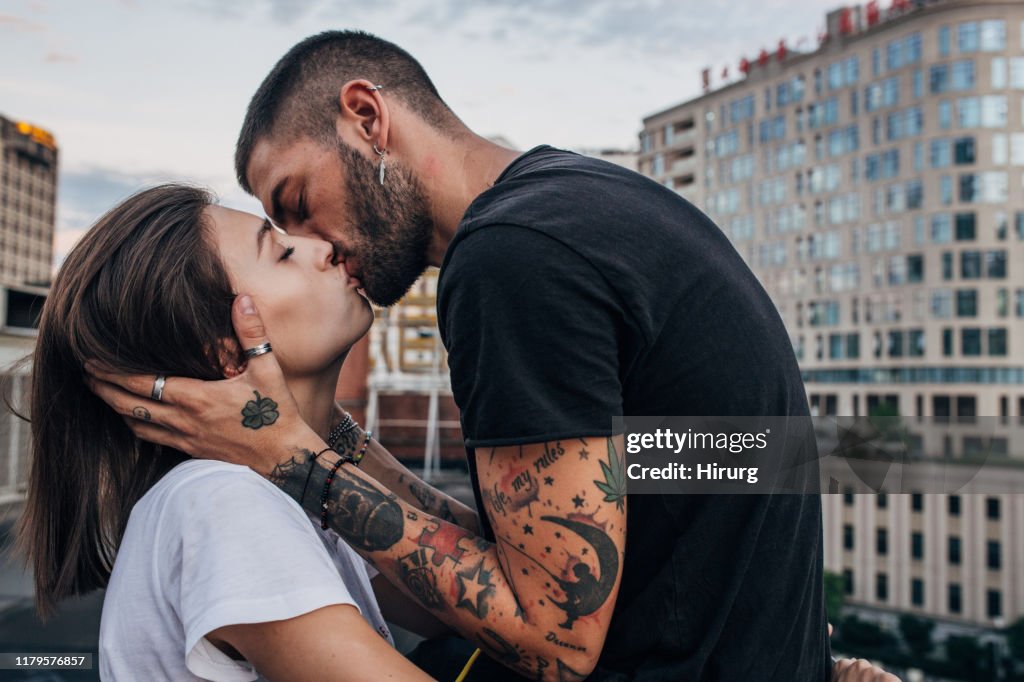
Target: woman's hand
860	670
250	419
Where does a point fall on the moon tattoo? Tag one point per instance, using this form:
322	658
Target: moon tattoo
587	593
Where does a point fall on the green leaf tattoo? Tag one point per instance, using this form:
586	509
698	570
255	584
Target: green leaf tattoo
614	484
259	413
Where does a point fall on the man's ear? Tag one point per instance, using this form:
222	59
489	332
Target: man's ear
363	110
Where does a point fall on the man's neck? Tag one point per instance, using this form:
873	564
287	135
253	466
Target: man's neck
454	172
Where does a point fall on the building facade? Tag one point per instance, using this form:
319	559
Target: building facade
876	187
28	200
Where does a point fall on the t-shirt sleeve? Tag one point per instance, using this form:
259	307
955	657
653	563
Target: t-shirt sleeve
248	554
533	332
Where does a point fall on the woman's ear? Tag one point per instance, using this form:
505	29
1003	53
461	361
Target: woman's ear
232	371
230	358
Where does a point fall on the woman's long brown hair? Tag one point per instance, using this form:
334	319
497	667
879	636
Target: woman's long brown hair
145	292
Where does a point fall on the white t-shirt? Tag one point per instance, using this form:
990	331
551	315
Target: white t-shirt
215	544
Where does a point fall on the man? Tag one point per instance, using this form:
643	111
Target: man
571	292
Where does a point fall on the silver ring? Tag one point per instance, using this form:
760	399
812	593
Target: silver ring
259	350
157	393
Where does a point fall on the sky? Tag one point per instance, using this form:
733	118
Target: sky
142	91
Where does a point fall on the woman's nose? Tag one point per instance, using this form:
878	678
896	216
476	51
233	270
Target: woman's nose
325	254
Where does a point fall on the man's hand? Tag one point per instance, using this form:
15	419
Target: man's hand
248	419
860	670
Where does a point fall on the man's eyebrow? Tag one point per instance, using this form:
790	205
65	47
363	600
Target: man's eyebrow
276	212
261	236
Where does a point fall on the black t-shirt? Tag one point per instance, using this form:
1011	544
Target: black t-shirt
574	291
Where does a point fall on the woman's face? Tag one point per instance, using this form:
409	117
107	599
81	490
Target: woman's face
311	307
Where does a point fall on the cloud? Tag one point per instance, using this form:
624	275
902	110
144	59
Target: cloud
84	195
20	24
54	57
283	12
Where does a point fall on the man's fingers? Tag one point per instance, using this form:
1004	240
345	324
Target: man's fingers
132	406
251	334
153	433
139	385
248	324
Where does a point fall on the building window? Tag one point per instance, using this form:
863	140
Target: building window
917	502
968	37
966	303
997	342
917	546
995	264
955	605
881	541
953	503
848	496
953	555
992	508
993	35
882	587
882	501
970	341
848	537
993	555
917	592
966	412
847	581
944	42
964	151
994	606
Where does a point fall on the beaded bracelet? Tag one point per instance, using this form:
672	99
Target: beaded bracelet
345	426
342	459
362	451
327	486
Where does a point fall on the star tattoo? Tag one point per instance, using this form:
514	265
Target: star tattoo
577	502
475	587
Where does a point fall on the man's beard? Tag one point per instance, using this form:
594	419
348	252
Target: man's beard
393	223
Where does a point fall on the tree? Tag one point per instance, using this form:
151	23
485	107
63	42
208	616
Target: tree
866	635
966	657
835	587
917	634
1015	639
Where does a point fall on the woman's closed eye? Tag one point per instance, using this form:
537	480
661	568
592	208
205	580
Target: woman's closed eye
287	253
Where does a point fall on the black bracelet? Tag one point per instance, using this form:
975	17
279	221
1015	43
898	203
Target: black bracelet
312	463
327	486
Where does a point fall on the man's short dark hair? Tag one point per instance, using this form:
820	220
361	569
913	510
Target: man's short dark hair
299	97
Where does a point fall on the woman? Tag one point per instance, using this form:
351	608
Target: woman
216	569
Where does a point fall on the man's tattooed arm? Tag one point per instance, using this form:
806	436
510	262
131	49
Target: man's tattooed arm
382	466
541	598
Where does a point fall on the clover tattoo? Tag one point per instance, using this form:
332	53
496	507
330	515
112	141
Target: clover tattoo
259	412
